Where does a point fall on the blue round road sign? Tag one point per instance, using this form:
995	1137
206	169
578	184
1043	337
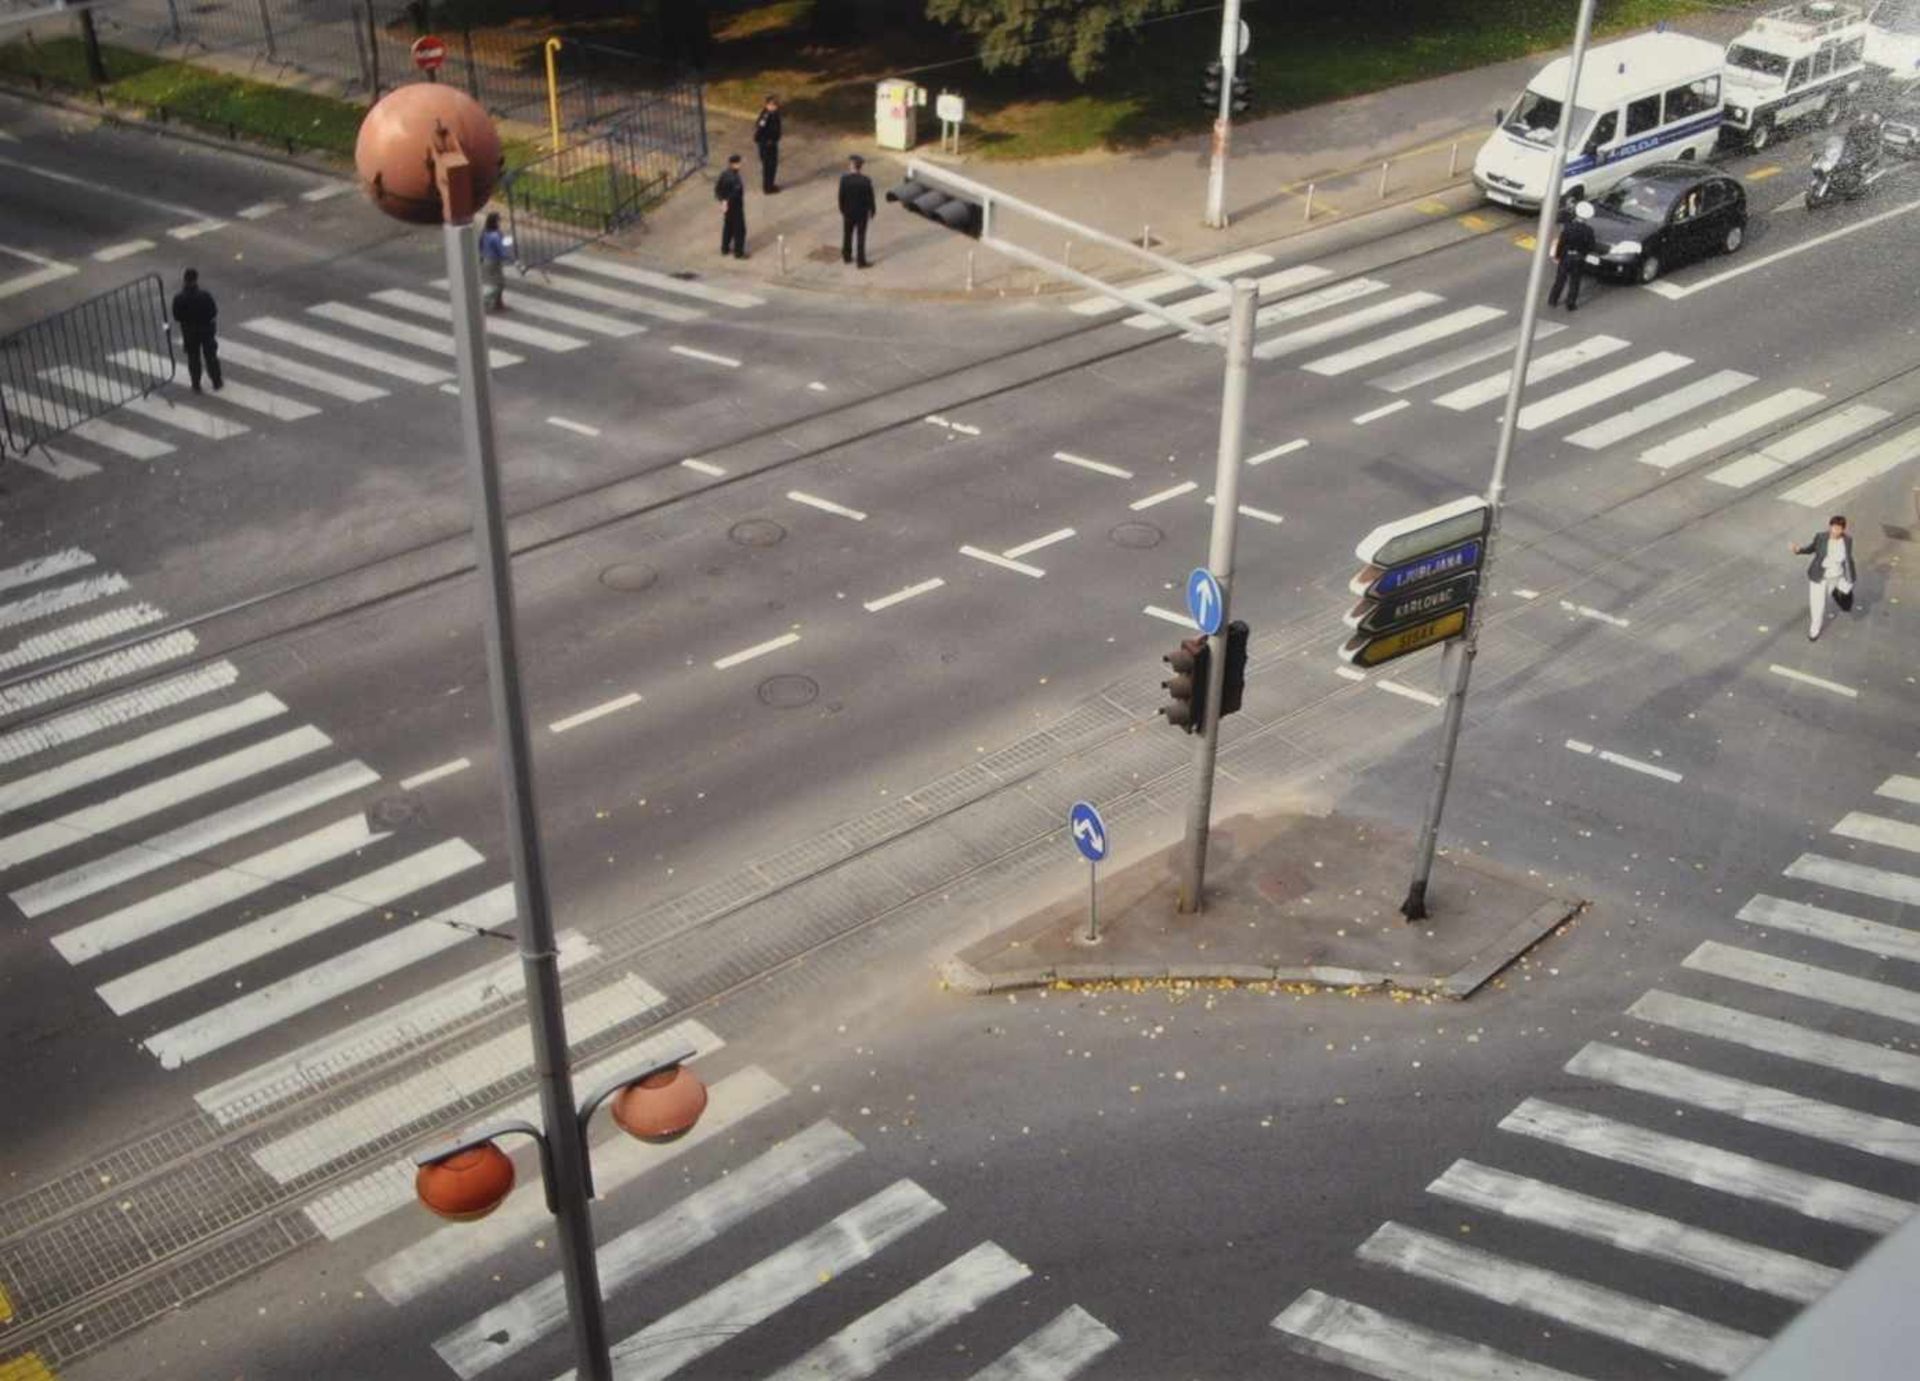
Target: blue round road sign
1204	604
1089	831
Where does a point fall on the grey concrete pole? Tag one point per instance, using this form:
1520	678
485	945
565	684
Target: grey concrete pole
1414	908
538	955
1226	524
1223	119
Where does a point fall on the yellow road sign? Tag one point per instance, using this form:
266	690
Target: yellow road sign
1376	651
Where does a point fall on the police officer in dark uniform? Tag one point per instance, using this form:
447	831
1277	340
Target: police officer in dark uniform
194	309
856	209
731	193
1570	250
766	138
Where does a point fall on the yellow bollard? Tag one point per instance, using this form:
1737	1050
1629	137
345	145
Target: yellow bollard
553	93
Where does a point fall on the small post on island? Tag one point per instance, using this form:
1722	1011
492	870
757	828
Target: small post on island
1090	838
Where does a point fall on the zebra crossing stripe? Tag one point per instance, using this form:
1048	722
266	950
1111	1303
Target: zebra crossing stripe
40	568
1650	414
190	900
1400	342
1609	385
602	296
1365	1340
1167	284
96	671
45	603
1634	1230
1830	484
1835	927
57	464
1900	788
1439	366
1855	877
440	309
71	637
771	1284
1210	303
137	860
1292	342
1750	1102
1729	1172
1805	980
668	283
423	1094
1655	1328
1545	367
294	372
406	332
532	304
240	395
1056	1351
134	445
310	1068
1782	1038
1877	829
874	1339
124	708
340	348
188	419
1728	427
93	821
1798	445
511	1327
1308	303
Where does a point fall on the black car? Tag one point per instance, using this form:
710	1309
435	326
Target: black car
1666	215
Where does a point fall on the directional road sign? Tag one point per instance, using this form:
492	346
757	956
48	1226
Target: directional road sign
1204	604
1390	544
1366	651
1419	583
1089	831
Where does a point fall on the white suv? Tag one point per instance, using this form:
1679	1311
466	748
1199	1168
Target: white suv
1795	63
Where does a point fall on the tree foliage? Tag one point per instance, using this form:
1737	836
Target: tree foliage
1032	33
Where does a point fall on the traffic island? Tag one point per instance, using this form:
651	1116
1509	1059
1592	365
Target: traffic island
1289	899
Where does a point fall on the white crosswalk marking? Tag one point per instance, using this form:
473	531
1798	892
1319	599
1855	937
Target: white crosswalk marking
189	901
40	568
1708	1166
1333	295
1544	367
1056	1351
241	395
106	435
1877	829
532	304
1634	1230
71	637
57	463
1805	980
1850	474
96	671
137	860
1900	788
440	309
874	1339
1609	385
1836	927
1729	427
186	418
1167	284
406	332
663	282
1653	1327
690	1332
1798	445
124	708
1756	1103
340	349
1782	1038
338	975
509	1328
45	603
1439	366
275	931
77	827
1855	877
1400	342
1650	414
1292	342
295	372
1365	1340
587	290
1197	309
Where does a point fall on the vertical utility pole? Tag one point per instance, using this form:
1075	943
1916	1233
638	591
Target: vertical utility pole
1223	119
1414	908
1226	525
90	40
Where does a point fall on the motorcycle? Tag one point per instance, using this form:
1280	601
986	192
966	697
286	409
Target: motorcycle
1843	170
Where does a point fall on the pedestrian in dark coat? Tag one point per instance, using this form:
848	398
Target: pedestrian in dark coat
731	193
856	209
1830	573
1570	250
194	309
766	138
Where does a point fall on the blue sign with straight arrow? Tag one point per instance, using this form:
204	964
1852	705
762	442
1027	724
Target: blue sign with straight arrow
1204	602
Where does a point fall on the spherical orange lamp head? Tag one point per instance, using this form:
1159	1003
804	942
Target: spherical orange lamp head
466	1185
661	1107
394	153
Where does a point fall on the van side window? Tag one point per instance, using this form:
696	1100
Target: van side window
1823	60
1642	115
1798	77
1603	132
1695	98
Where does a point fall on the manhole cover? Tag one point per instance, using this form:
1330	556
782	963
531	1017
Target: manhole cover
390	812
629	576
758	532
1139	536
789	692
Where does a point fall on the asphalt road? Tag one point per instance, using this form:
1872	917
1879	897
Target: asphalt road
1646	733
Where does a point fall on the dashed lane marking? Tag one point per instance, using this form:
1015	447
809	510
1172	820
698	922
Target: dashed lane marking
195	230
1376	414
1762	174
568	425
1249	511
1819	681
1285	448
1597	615
826	505
1168	616
703	467
1525	594
434	774
121	251
874	606
757	650
1099	467
574	721
1410	693
1620	760
35	278
1037	544
259	210
328	192
1350	673
725	361
816	387
1165	494
993	558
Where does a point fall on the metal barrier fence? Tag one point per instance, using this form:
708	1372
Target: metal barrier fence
588	189
75	365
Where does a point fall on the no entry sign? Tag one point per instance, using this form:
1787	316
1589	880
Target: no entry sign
428	52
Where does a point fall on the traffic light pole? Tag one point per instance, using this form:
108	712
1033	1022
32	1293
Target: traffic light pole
1223	119
1226	525
1414	908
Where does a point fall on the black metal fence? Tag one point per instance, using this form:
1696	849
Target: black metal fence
596	185
75	365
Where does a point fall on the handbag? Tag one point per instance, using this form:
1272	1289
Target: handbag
1843	598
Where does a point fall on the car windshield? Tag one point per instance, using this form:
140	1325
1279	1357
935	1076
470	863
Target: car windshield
1898	17
1536	117
1641	201
1756	60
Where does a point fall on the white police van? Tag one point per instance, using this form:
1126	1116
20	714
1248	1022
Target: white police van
1893	39
1651	98
1794	63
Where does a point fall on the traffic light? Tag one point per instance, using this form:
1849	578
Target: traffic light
1242	100
936	204
1235	683
1187	687
1210	85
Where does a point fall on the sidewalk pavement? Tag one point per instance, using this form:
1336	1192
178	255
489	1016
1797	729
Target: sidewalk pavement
1289	899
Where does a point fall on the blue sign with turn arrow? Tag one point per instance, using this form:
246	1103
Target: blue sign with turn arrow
1204	604
1089	831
